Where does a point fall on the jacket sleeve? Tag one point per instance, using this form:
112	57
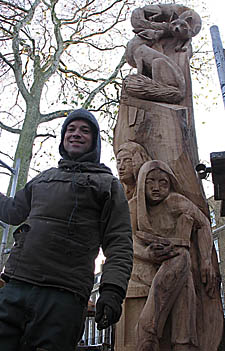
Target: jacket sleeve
117	242
15	210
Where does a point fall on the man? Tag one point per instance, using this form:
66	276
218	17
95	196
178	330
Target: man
70	211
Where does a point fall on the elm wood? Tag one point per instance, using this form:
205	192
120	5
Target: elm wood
166	130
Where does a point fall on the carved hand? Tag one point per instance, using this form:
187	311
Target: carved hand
208	276
158	252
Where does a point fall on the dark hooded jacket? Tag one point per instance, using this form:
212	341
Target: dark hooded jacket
71	211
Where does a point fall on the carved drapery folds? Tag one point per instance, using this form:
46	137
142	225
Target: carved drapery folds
173	294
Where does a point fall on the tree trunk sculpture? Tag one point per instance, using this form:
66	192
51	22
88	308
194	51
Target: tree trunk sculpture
173	301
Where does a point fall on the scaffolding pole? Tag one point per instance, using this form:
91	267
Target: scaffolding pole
219	57
15	172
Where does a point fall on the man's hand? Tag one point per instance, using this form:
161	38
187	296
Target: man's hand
158	252
108	309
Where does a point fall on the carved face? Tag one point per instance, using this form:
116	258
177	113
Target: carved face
180	29
157	186
125	167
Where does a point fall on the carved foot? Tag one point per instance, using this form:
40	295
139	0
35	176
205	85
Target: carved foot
150	343
186	347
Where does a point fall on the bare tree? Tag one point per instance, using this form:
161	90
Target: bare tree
53	53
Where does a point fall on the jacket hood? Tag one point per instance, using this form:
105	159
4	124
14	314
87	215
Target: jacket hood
95	153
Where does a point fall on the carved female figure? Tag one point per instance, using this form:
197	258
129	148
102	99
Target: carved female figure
130	157
165	222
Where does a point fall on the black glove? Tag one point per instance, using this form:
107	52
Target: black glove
108	307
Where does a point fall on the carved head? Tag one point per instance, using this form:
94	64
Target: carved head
130	157
162	166
155	174
155	171
187	25
157	186
180	29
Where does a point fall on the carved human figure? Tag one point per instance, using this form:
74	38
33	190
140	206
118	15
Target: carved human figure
165	223
130	157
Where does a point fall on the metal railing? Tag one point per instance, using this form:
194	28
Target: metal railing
15	173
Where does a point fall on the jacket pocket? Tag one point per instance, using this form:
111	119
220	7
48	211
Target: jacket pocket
66	251
20	235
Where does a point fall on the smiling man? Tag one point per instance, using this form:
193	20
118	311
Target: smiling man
70	212
78	138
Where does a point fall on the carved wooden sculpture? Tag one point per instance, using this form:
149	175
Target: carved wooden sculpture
165	224
130	157
156	115
161	32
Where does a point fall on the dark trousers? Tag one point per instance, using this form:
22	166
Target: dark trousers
33	317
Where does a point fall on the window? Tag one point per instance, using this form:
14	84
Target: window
217	249
213	218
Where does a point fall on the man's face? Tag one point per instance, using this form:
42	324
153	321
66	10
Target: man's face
125	167
157	186
78	138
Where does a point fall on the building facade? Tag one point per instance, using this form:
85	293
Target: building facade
218	230
94	339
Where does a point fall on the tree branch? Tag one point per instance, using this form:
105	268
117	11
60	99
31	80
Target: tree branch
3	153
15	44
13	6
54	115
7	62
75	73
48	135
10	129
106	82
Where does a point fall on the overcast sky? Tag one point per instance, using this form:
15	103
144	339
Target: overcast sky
210	124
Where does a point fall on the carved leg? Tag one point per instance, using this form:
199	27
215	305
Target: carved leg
163	71
165	289
139	64
184	330
146	340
